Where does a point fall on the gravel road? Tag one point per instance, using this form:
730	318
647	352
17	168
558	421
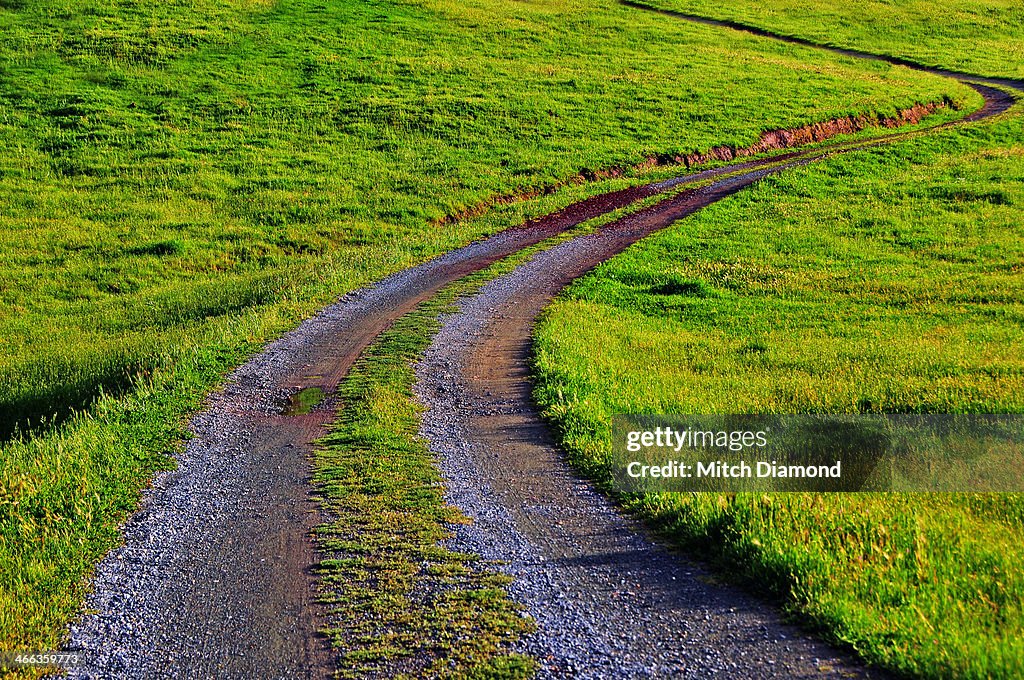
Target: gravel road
214	578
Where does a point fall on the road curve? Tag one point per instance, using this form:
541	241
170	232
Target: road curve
214	578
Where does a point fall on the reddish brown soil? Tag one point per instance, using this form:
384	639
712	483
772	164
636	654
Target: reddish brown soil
773	140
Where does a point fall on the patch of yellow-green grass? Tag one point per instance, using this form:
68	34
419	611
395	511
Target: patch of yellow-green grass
399	603
983	37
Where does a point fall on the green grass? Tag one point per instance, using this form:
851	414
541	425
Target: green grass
180	182
982	37
304	401
885	280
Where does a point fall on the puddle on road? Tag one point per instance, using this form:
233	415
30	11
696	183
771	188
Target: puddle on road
304	401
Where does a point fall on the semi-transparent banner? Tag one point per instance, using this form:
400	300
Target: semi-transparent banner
732	453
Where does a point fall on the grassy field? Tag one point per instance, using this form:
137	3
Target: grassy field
880	281
162	164
181	181
985	38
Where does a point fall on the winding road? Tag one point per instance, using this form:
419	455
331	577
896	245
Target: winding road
215	576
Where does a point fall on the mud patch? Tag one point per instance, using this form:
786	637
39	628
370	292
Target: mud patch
304	401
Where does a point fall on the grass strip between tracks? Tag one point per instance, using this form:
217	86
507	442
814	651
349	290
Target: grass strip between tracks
400	602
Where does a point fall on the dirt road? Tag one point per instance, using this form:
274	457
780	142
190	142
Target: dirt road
214	578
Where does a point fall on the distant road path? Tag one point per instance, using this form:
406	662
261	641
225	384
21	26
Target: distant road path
1012	83
214	579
